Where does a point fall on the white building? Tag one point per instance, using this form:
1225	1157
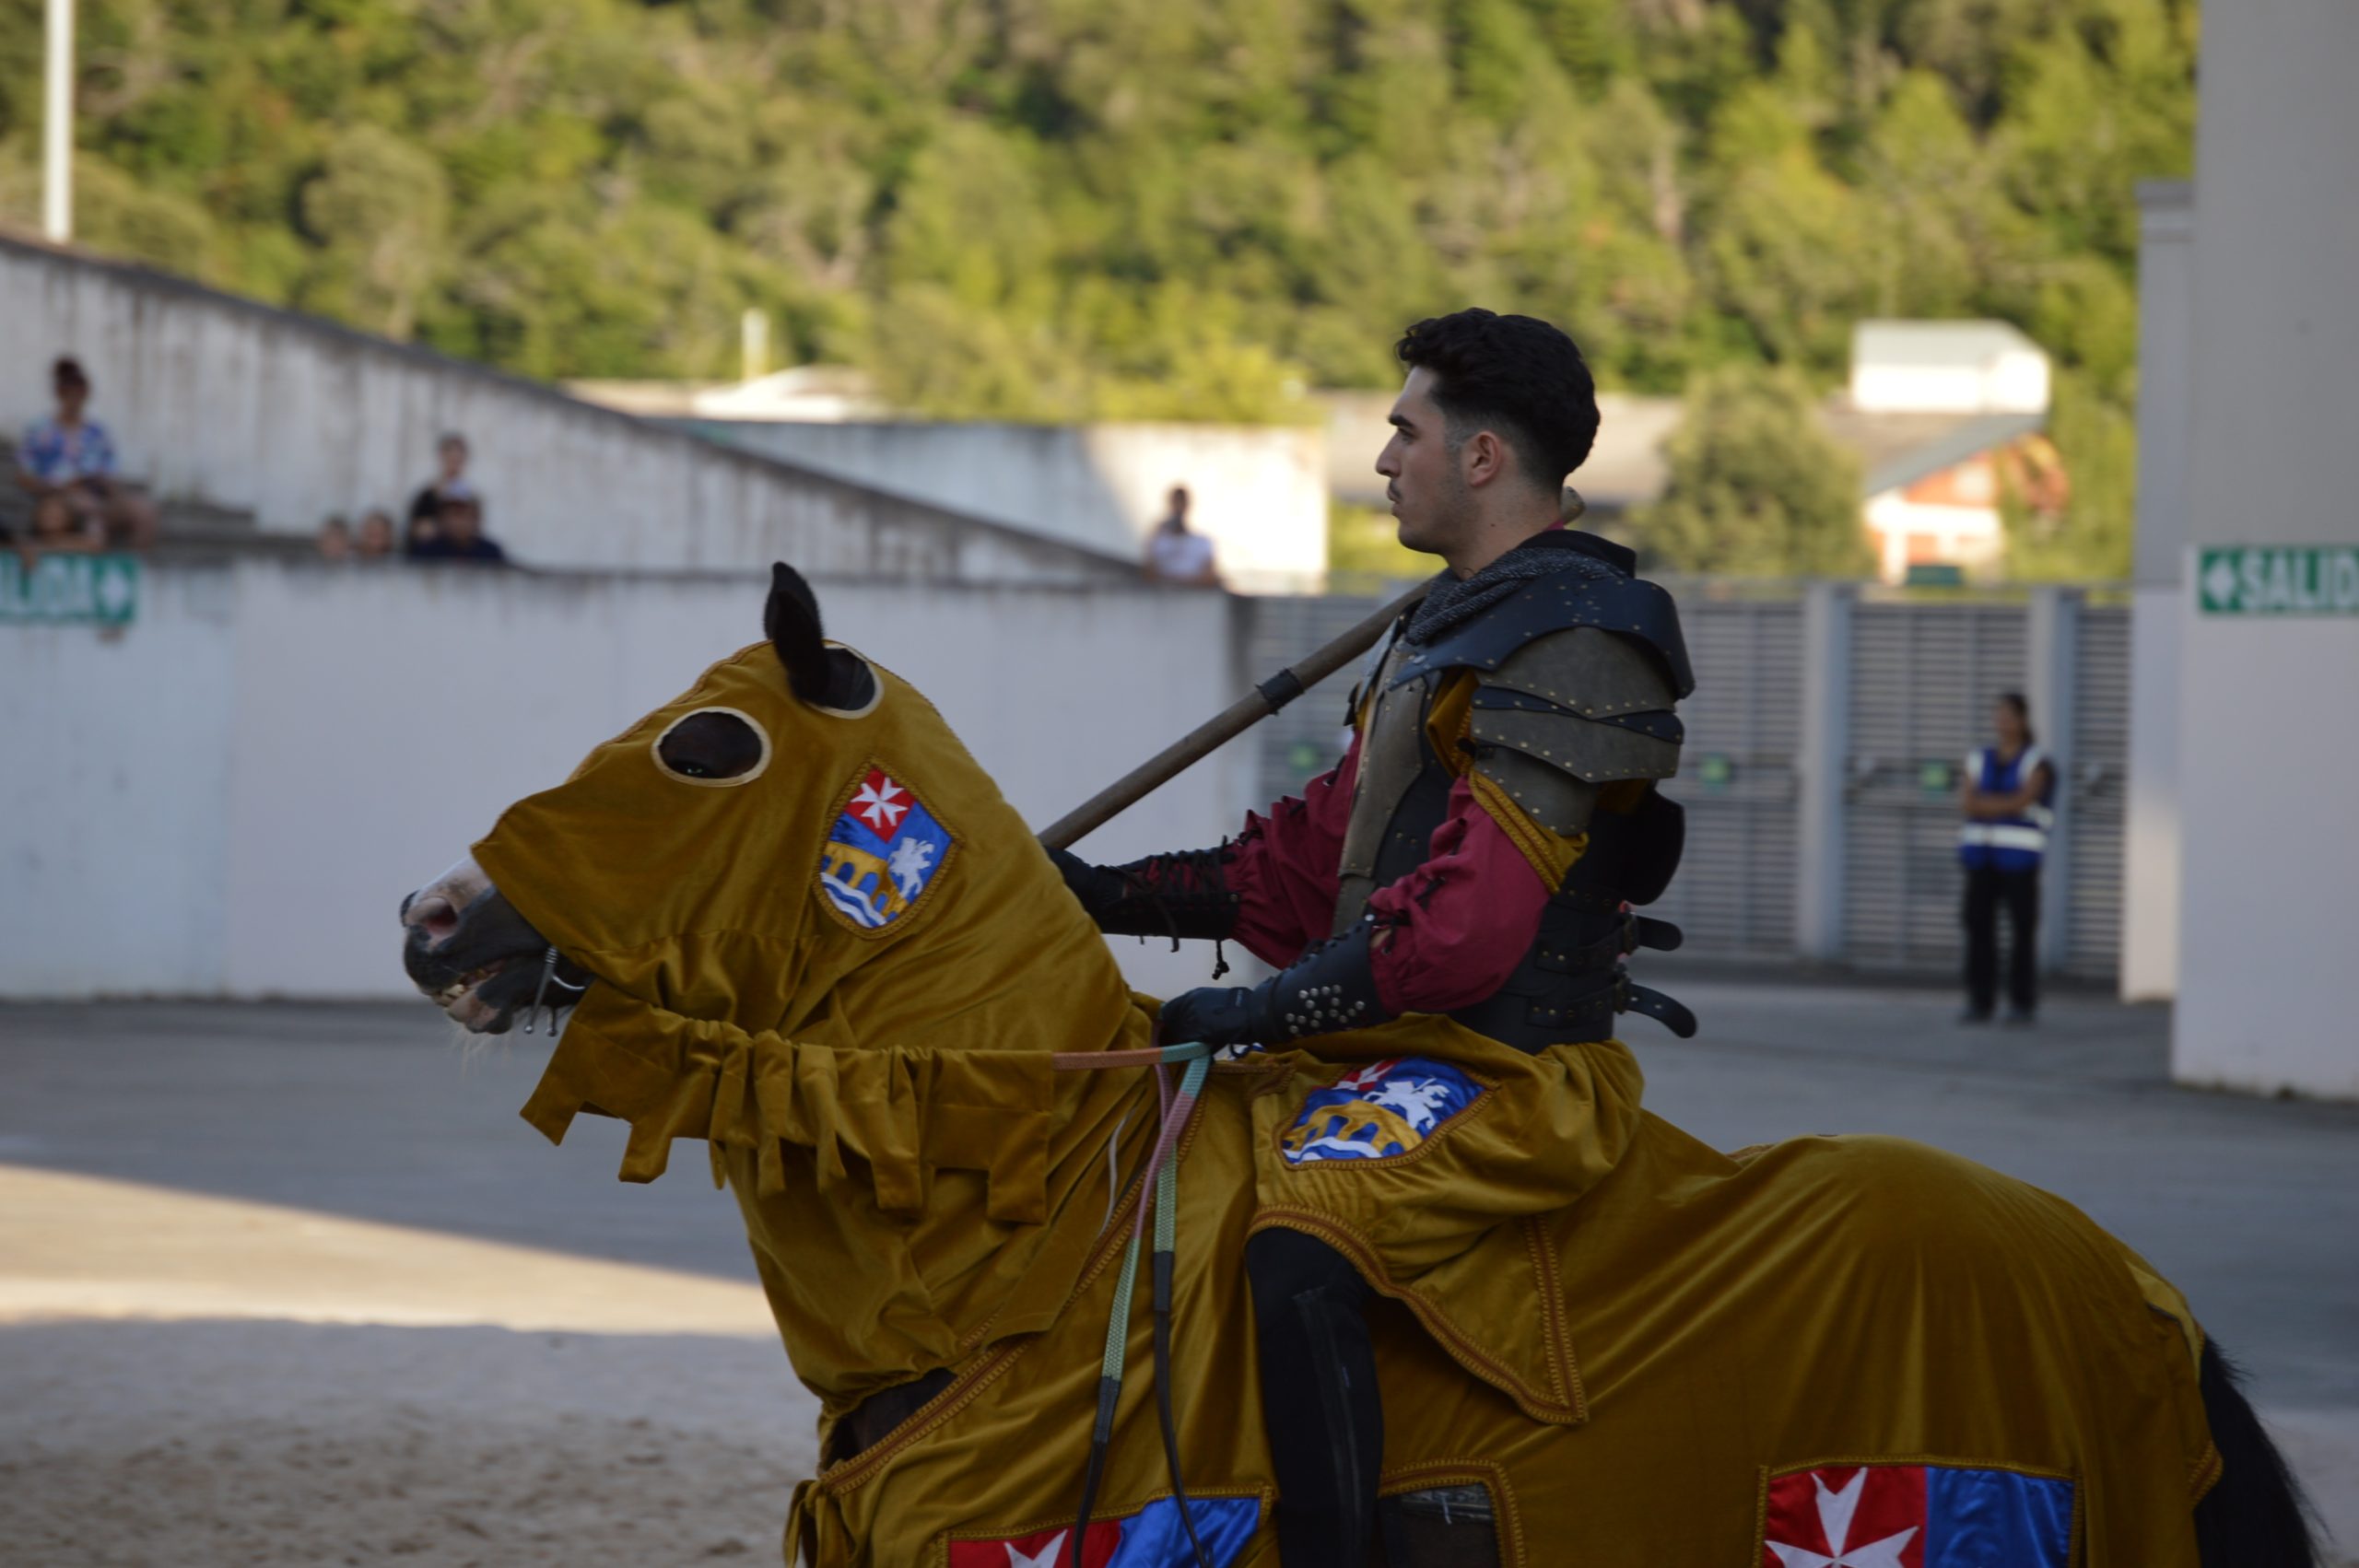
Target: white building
1944	415
1258	491
2243	863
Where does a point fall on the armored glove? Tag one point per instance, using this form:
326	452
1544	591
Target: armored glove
1331	988
1181	895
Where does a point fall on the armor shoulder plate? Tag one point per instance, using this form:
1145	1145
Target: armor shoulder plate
1587	594
1589	704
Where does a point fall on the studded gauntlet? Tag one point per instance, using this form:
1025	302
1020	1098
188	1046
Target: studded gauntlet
1331	988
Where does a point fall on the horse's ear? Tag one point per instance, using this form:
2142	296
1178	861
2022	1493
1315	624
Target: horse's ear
791	620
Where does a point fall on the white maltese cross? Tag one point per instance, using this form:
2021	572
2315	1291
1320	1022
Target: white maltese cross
1834	1511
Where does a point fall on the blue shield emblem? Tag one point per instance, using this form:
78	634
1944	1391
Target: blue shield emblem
1385	1109
883	853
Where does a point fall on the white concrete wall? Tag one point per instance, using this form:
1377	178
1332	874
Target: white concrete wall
2149	845
2276	248
217	399
231	798
115	779
2269	712
2270	916
1260	491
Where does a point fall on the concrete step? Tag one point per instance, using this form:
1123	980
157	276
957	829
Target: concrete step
187	529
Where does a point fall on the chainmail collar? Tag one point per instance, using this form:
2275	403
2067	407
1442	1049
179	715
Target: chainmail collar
1454	600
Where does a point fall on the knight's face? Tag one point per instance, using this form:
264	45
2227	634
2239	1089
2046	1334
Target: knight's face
1428	492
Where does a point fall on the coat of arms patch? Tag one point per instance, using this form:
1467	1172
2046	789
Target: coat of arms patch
1376	1112
884	851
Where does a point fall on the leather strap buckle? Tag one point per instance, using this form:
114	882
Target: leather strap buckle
1672	1014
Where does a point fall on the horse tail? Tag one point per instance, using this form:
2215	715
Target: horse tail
2255	1515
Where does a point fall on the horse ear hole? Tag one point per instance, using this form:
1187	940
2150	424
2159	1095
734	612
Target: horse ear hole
713	746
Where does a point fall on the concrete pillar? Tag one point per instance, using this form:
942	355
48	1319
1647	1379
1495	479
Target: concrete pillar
1819	771
2051	646
2150	877
2267	704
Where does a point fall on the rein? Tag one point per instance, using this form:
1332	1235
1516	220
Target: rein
1162	1174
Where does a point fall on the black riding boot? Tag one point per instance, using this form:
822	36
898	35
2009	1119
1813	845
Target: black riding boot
1319	1399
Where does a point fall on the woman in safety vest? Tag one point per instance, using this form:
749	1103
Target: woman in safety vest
2008	797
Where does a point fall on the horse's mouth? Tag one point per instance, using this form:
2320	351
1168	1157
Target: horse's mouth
463	1000
449	994
484	1000
471	954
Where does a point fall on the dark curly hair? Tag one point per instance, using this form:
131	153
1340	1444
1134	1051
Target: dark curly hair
1516	376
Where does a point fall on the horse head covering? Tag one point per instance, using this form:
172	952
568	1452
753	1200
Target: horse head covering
779	831
825	943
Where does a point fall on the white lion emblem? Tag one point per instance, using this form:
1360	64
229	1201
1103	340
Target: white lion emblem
1414	1099
912	858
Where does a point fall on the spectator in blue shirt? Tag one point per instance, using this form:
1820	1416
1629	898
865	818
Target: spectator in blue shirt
458	534
67	465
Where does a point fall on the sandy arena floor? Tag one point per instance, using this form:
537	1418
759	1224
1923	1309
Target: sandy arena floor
204	1444
207	1383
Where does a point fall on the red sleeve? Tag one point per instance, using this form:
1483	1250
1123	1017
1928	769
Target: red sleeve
1459	923
1283	867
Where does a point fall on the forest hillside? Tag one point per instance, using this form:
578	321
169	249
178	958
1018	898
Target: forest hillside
1049	209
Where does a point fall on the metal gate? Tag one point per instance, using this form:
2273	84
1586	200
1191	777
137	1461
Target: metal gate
1308	737
1734	893
1917	694
1923	679
2095	765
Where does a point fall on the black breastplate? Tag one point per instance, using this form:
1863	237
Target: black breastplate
1571	982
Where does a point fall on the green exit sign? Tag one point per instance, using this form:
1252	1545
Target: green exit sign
2278	579
69	589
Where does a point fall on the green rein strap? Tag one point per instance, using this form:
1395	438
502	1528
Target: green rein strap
1163	1163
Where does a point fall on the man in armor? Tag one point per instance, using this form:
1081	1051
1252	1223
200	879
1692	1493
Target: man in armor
1475	854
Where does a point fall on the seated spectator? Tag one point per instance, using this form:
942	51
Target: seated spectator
458	536
450	451
1177	556
67	465
376	540
335	540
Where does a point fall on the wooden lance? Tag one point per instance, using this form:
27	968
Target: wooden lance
1227	724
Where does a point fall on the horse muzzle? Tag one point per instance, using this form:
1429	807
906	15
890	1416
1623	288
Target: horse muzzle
469	950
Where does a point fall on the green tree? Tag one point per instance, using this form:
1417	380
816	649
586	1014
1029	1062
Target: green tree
1054	209
1756	488
380	209
2091	538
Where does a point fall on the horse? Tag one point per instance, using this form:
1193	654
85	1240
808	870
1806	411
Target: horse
789	915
